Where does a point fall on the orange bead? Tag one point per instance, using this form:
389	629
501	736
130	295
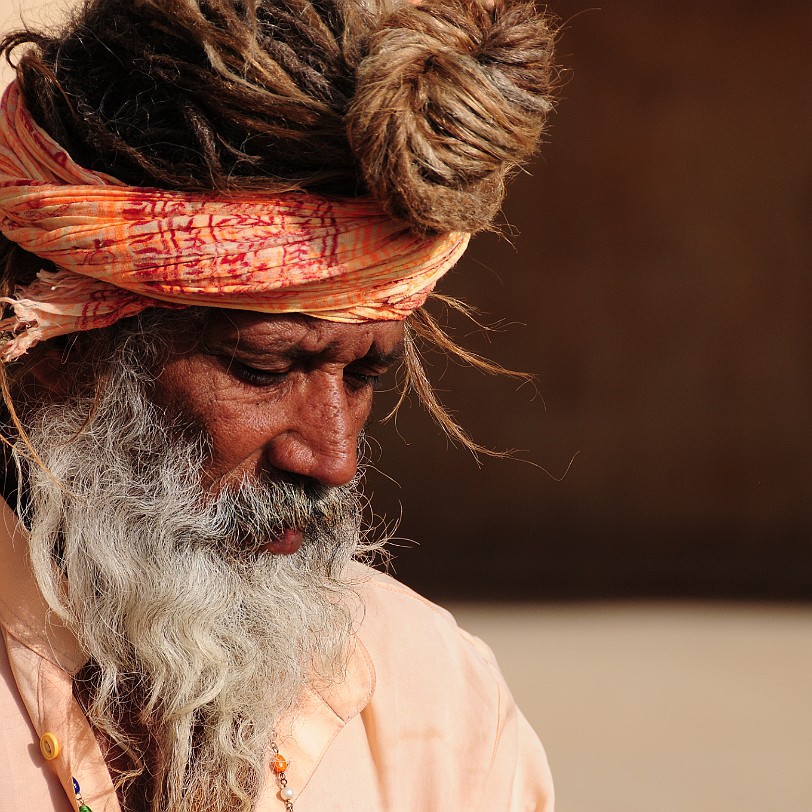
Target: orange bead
279	765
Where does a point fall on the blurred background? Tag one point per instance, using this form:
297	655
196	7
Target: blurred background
659	286
642	564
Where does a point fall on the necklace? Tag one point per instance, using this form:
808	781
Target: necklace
83	807
279	764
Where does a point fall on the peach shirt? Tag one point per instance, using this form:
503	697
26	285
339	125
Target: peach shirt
423	721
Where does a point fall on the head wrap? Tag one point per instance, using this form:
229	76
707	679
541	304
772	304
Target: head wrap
120	249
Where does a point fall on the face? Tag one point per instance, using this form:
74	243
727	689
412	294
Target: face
280	395
150	564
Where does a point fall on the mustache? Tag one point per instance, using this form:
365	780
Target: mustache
254	510
251	511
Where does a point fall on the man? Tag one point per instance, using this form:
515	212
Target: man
221	221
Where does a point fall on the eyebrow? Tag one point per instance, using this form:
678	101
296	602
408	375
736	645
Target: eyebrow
385	359
375	355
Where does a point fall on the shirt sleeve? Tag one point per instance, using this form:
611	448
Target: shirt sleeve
532	784
520	776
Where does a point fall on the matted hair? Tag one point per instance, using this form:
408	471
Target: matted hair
425	106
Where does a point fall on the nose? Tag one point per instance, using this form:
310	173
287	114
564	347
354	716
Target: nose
320	441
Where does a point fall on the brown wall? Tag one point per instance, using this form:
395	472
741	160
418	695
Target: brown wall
660	289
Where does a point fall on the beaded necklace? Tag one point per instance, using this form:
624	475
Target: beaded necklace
278	764
83	807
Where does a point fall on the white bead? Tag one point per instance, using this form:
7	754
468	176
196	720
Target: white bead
287	793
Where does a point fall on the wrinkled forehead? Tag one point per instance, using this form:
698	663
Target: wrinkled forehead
296	335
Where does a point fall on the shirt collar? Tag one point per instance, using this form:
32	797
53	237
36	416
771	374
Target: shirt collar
23	610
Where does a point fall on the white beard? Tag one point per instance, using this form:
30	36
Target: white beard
198	641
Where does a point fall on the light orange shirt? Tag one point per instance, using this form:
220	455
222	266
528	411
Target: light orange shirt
422	722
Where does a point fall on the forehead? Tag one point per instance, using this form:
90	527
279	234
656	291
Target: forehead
241	330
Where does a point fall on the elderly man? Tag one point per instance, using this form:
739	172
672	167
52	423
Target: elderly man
221	220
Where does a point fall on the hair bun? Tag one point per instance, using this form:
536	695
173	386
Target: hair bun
450	97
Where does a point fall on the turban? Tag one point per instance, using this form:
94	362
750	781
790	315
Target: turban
119	249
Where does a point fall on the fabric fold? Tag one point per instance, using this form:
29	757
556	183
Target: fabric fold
119	249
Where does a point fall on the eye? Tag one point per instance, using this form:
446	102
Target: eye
358	379
253	375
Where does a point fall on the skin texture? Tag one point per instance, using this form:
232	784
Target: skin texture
280	395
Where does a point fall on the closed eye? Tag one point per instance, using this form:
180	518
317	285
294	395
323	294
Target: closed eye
253	375
361	380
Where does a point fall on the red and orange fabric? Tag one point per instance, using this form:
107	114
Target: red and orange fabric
120	249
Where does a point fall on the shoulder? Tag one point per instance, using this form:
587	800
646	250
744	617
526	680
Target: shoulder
396	617
440	700
421	656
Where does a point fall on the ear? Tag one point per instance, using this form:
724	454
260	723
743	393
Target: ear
53	365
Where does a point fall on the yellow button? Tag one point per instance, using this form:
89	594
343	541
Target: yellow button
49	746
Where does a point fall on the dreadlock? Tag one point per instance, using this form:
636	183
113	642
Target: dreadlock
427	107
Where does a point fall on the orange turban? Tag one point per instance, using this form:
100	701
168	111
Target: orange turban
120	249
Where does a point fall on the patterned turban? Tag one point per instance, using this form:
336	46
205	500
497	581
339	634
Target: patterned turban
120	249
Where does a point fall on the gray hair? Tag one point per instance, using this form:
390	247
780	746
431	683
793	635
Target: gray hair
198	642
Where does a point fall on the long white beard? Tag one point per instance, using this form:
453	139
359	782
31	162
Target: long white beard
197	638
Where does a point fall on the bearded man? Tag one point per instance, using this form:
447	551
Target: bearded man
221	220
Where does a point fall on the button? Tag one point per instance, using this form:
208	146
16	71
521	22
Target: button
49	746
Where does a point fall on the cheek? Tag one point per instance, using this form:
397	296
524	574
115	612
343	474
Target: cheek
236	426
238	432
306	426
